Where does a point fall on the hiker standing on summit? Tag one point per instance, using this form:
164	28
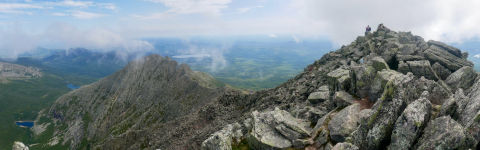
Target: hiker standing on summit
367	30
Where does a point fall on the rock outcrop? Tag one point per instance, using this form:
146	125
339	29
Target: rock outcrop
19	146
386	90
10	71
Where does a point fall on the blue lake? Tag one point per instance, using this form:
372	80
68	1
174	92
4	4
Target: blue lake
27	124
72	87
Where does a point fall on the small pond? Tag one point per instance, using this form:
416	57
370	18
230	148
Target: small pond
27	124
72	87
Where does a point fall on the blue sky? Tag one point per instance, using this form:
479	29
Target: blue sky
121	24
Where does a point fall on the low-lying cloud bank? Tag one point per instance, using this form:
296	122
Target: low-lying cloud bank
15	40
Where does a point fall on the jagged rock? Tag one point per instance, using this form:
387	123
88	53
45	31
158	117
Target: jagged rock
309	113
320	96
409	57
320	131
418	68
441	71
364	75
472	106
276	129
438	91
300	143
454	105
223	139
339	79
378	63
450	49
443	133
473	129
462	78
343	99
344	146
19	146
263	136
379	82
377	128
407	49
344	123
450	61
409	125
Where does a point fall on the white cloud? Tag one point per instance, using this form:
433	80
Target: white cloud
296	39
476	56
17	8
210	7
445	20
15	41
247	9
272	35
86	15
59	14
72	3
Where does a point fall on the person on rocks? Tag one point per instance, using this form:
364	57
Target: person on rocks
367	29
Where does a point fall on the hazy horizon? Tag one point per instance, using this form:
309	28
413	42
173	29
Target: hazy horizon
123	25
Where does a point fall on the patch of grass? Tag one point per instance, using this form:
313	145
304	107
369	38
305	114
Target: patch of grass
242	145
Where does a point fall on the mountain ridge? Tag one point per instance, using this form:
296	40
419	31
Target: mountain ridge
147	91
386	89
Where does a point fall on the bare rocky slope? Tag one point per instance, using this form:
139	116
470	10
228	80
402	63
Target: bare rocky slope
384	90
10	71
119	110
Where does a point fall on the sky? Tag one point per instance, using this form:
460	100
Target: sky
122	24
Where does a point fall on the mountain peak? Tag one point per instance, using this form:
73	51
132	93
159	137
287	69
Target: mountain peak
386	89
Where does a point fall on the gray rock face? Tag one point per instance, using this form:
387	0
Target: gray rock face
443	133
418	68
450	61
448	48
441	71
19	146
223	139
344	123
276	129
410	124
320	96
339	79
454	105
462	78
343	99
471	106
380	81
378	63
344	146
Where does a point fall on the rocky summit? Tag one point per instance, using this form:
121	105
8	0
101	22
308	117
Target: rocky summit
385	90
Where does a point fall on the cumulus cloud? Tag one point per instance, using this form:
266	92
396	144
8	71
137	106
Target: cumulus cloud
445	20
